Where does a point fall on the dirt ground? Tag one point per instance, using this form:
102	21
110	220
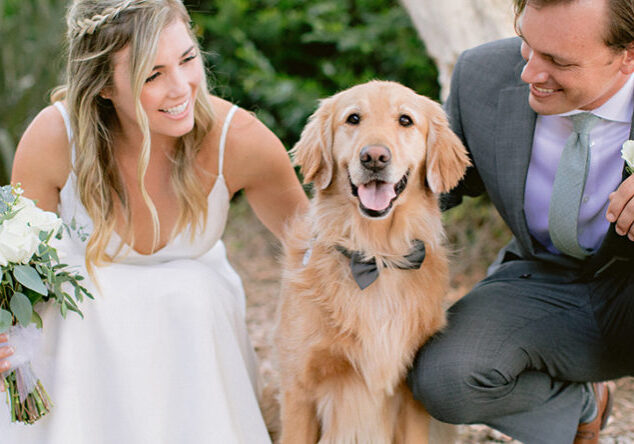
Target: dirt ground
254	253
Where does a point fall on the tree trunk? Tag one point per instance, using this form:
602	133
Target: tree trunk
448	27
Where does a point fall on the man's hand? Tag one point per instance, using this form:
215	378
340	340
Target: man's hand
621	208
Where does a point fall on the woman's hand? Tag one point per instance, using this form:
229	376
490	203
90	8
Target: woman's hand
5	352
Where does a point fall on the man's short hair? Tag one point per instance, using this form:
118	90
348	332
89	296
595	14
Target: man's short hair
620	32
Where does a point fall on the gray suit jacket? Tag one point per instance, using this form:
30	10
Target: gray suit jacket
488	109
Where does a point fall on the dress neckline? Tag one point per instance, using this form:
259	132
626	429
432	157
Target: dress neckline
219	189
127	249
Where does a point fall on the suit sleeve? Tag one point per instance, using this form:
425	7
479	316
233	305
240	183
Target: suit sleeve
471	184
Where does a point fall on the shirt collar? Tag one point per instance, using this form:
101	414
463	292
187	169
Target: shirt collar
618	108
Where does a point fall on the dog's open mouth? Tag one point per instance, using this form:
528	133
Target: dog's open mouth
376	197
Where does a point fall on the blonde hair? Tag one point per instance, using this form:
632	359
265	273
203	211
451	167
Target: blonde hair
97	30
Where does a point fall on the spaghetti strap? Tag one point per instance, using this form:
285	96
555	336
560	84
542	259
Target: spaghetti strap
69	130
223	137
66	117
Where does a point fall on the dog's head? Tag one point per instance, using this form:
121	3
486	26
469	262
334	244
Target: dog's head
376	140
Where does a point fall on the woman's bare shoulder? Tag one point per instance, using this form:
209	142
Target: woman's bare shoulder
246	134
43	158
252	152
246	131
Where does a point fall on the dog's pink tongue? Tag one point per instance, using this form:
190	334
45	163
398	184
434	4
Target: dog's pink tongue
376	195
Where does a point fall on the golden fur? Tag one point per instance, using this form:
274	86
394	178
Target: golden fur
343	352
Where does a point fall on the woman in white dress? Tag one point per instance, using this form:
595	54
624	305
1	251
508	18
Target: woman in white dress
145	160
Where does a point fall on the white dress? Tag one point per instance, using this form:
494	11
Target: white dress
162	355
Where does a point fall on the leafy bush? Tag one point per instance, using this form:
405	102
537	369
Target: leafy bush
31	32
476	233
278	57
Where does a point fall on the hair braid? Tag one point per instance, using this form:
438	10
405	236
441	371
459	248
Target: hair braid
89	25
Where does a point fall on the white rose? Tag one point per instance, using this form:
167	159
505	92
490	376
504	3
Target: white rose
38	219
3	259
18	242
627	153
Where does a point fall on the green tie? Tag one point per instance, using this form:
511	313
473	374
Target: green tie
570	179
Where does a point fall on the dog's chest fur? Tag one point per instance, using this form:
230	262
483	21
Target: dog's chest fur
376	330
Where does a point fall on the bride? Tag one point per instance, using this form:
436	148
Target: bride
143	158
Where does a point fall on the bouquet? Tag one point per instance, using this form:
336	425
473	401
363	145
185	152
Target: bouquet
30	273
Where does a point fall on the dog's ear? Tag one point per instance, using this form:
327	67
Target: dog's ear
447	158
313	152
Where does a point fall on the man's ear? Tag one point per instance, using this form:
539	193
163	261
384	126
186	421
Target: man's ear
627	67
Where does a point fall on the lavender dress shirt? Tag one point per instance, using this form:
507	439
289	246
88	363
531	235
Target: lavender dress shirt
604	174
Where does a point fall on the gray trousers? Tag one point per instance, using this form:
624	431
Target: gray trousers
521	344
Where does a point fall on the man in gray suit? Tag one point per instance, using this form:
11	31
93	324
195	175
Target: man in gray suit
525	348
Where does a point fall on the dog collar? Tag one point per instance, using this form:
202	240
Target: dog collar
366	272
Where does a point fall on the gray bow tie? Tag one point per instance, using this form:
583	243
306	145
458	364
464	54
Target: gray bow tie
366	272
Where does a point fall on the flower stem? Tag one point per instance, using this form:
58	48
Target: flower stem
36	404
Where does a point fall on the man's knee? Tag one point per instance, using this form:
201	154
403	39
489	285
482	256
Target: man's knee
455	390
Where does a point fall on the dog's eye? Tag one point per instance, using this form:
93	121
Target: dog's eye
353	119
405	120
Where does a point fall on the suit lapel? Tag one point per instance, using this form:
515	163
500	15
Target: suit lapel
613	247
514	132
613	244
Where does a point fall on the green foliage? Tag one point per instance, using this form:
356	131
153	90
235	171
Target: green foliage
278	57
31	33
28	277
23	286
477	232
6	319
21	308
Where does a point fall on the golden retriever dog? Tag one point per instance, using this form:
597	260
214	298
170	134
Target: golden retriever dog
377	154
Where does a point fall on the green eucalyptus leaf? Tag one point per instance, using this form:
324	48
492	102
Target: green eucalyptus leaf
70	301
72	306
87	293
21	308
36	319
5	320
78	295
57	289
53	253
33	296
27	276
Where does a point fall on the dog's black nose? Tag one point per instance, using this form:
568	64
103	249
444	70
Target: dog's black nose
375	157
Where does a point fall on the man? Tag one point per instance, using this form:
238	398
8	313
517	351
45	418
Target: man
557	309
